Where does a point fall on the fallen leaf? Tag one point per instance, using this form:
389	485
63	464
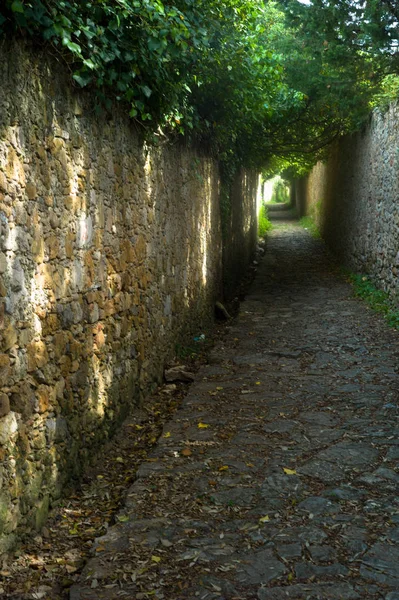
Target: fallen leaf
219	388
122	518
250	465
224	468
186	452
100	548
289	471
119	459
264	519
167	434
156	559
258	383
202	426
70	569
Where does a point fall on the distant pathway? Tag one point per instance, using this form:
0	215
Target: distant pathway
278	478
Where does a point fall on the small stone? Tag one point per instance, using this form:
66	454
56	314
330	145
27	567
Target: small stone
179	373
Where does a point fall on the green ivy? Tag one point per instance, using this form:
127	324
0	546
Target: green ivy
258	86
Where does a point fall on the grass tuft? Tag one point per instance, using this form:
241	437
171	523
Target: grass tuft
309	224
378	300
264	225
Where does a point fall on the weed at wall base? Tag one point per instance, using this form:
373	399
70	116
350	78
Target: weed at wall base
264	225
309	224
378	300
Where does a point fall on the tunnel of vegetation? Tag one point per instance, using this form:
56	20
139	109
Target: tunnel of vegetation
263	84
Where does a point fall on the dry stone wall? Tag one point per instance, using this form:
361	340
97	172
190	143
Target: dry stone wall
354	199
110	254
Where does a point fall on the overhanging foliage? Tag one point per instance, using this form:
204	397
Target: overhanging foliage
260	89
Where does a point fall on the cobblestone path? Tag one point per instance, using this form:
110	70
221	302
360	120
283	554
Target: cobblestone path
278	477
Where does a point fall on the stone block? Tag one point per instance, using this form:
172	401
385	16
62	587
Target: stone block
4	405
10	337
31	190
37	355
5	369
3	262
3	182
8	427
45	398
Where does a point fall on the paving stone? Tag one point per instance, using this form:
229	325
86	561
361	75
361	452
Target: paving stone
220	586
318	506
235	497
323	553
322	419
381	564
345	493
280	426
289	551
260	567
282	485
393	453
306	570
312	591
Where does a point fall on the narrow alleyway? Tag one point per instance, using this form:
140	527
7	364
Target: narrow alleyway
276	479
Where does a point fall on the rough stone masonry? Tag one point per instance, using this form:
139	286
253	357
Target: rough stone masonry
110	252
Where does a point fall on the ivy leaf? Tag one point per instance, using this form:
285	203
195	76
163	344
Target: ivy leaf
82	79
17	7
146	91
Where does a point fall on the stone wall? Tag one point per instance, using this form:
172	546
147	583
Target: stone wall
240	233
354	199
110	254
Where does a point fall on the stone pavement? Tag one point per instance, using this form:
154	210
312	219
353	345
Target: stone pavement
278	476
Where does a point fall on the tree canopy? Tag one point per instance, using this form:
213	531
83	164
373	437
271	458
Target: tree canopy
262	83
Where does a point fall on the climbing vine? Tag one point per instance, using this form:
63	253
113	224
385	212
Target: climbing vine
247	78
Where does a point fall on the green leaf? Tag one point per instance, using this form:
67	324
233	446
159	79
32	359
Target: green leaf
82	79
146	91
17	7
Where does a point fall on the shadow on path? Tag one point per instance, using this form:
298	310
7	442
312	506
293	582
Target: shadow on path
276	479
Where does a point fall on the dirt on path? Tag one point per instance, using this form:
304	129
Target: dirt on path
277	478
